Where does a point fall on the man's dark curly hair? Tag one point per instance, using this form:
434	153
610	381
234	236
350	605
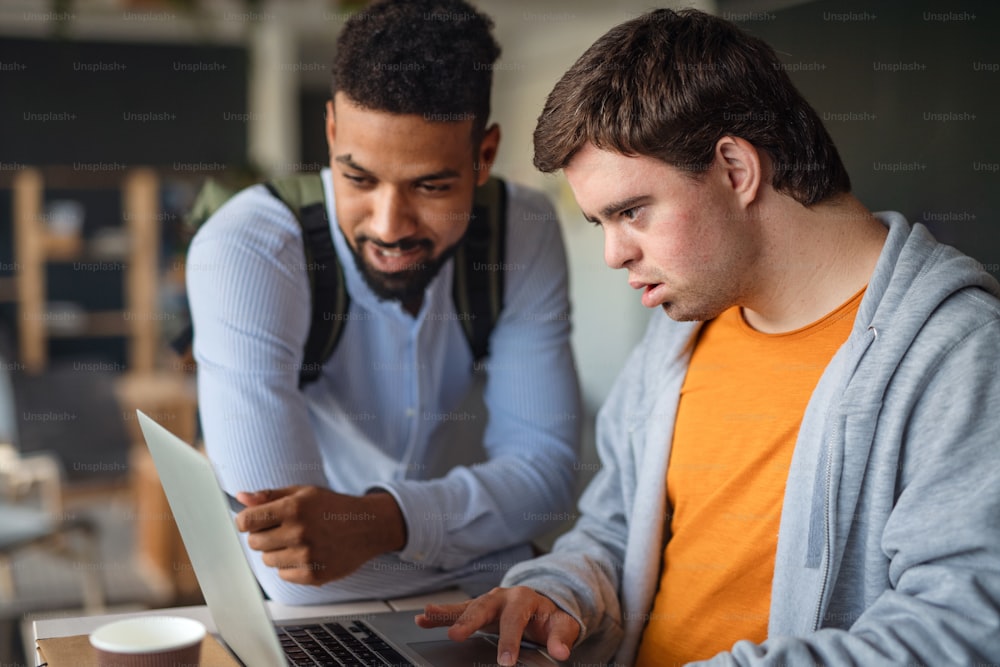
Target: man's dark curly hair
428	57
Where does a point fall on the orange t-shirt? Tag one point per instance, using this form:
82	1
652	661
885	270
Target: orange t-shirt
740	409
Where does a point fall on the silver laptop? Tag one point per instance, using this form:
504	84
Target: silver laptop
237	606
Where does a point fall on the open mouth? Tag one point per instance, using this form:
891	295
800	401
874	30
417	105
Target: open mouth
408	257
652	295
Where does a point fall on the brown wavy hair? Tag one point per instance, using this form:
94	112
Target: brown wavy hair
670	84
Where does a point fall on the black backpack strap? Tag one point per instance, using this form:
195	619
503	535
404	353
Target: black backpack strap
303	194
479	277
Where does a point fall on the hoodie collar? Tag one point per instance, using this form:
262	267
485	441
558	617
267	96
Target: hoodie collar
913	276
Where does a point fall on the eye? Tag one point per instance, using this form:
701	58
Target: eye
359	181
431	187
631	213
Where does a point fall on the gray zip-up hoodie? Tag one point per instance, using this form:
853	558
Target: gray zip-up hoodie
889	547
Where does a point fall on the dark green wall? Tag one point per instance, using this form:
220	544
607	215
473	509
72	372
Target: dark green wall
911	94
68	101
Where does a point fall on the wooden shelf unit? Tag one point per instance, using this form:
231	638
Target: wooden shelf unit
35	247
167	395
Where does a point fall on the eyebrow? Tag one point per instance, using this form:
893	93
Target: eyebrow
433	176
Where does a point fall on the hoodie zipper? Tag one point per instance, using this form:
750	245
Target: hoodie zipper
826	513
826	535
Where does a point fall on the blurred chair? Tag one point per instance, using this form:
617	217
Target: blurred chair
31	511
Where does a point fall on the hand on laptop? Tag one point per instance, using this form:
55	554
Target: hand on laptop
513	613
315	535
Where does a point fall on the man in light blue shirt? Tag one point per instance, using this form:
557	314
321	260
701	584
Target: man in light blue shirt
348	481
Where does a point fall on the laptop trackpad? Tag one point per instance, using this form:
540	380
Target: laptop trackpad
473	651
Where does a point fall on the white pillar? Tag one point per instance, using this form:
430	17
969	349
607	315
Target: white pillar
273	105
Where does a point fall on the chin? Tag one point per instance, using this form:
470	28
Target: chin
680	314
394	287
676	314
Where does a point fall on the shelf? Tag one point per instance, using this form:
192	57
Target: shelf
92	324
92	254
137	256
61	247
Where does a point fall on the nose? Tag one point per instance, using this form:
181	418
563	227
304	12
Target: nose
393	219
619	249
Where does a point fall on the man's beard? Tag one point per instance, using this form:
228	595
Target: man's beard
403	286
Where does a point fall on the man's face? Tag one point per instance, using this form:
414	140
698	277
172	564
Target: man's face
684	242
404	188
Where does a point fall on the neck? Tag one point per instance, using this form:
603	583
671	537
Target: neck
413	304
812	261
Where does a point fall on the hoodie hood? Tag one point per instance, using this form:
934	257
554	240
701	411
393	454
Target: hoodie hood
914	275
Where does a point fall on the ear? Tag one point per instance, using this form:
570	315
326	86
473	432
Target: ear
487	153
741	166
331	126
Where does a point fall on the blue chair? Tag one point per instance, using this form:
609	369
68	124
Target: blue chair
31	511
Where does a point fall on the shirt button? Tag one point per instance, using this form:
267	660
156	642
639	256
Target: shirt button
410	412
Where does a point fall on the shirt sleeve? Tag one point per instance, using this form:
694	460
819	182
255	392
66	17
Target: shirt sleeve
526	486
250	306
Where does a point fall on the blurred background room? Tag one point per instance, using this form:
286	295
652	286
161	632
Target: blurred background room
114	112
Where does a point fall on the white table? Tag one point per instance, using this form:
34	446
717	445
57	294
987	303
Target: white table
82	625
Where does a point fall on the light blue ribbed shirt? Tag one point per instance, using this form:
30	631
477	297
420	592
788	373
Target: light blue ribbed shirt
391	407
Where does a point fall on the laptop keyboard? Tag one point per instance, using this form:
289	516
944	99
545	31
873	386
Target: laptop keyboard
337	645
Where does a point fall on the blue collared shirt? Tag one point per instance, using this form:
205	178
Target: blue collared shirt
391	408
